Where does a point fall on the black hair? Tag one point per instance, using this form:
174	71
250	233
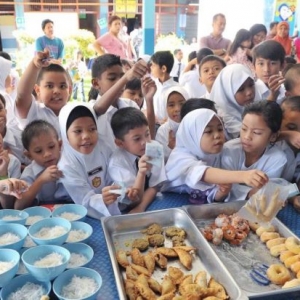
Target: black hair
256	28
93	94
269	50
45	22
215	17
126	119
212	58
196	103
104	62
134	84
112	19
52	68
163	58
176	51
269	110
5	55
291	77
202	53
2	99
35	129
273	24
241	36
290	60
292	102
125	62
79	111
191	56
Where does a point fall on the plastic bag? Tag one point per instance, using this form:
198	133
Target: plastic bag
264	205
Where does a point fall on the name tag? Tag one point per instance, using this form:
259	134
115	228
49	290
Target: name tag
95	171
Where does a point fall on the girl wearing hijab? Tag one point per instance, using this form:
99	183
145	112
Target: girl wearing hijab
194	163
232	90
84	162
283	38
173	100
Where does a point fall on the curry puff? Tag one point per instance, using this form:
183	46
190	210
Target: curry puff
175	274
167	285
122	258
185	258
149	262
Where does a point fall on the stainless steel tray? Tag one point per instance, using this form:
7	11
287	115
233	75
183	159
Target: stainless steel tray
120	231
252	248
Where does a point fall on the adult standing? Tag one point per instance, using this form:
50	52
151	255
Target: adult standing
54	44
110	41
136	36
215	41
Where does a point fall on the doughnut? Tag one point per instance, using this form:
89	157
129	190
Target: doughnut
262	229
254	226
278	274
295	267
229	232
286	254
266	236
298	275
293	244
275	242
277	249
291	283
291	260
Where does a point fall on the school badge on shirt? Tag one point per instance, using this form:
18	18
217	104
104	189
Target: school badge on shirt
96	182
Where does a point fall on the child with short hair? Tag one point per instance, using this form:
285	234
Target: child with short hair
292	80
268	59
84	161
133	91
233	89
256	148
42	145
196	103
129	164
194	164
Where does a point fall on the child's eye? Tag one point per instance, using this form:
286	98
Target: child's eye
92	129
77	131
63	86
257	132
52	146
208	131
111	78
38	151
49	86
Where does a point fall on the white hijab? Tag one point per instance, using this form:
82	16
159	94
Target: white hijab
5	67
187	153
224	88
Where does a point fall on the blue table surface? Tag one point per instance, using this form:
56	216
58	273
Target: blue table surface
101	261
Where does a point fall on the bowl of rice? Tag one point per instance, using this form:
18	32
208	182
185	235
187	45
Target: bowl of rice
51	231
71	212
46	262
80	232
81	254
36	213
13	216
9	264
25	287
78	283
12	236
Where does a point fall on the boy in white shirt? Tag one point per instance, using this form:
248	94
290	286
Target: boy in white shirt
128	164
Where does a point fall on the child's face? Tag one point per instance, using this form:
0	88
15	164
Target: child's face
174	105
135	140
246	44
156	70
255	134
209	72
134	95
264	68
2	117
45	149
213	137
53	90
246	93
82	135
1	142
282	31
291	119
107	79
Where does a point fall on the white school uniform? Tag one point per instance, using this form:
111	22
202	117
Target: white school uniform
190	81
177	66
85	174
272	162
14	167
206	95
50	192
187	162
162	135
225	87
264	92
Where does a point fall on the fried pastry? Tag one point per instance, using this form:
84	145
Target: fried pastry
130	289
161	260
220	290
201	279
149	262
178	241
122	258
137	258
175	274
153	229
187	279
154	285
131	273
185	248
142	279
167	286
140	270
168	296
141	244
185	258
175	231
156	240
145	291
168	252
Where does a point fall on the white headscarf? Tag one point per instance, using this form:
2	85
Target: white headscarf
187	162
223	93
5	67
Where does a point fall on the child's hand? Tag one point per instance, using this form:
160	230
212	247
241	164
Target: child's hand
52	173
143	165
4	161
223	191
42	59
255	178
275	82
148	88
172	140
133	194
138	70
108	197
13	187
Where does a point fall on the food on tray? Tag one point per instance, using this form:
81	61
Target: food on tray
285	254
156	240
131	273
149	262
140	270
201	279
185	258
160	260
291	260
260	230
155	285
296	267
293	245
266	236
175	274
137	258
277	249
275	242
168	252
168	286
175	231
141	244
153	229
178	241
122	258
278	274
254	226
291	283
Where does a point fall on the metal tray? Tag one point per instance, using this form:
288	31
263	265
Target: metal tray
120	231
252	249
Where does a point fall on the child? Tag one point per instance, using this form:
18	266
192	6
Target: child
178	65
196	103
128	164
240	50
133	91
256	148
209	69
268	60
174	98
42	146
194	162
233	89
291	82
84	162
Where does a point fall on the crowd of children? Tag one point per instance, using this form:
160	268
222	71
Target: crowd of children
220	133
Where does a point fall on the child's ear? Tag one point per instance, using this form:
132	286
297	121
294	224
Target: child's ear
164	69
37	89
27	154
95	83
119	143
274	137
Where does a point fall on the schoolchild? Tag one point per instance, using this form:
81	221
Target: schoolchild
84	162
196	103
133	91
129	164
292	81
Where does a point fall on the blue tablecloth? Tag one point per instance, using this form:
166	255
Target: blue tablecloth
101	261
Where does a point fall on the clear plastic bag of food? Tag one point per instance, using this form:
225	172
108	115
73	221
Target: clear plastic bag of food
264	205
